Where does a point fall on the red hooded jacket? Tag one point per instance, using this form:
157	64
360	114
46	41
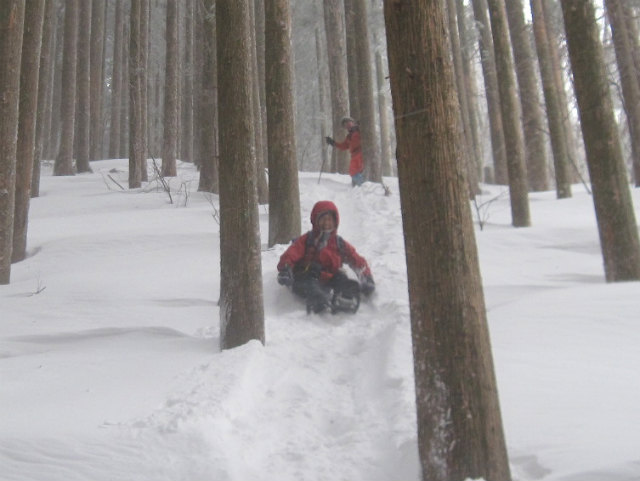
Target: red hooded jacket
352	144
330	253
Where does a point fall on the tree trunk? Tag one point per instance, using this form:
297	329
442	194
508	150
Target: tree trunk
511	123
460	432
467	52
322	118
186	94
96	78
83	120
31	43
45	90
170	137
367	119
241	299
116	83
11	30
64	161
284	196
555	33
535	150
208	108
628	79
137	82
338	77
491	91
557	130
611	196
352	57
385	136
261	135
469	162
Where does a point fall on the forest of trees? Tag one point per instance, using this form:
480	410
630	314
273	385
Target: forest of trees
534	95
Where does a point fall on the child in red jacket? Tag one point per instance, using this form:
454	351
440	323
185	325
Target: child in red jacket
351	143
312	265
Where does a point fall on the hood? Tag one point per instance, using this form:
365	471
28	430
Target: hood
321	207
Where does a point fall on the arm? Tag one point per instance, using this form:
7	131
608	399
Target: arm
294	253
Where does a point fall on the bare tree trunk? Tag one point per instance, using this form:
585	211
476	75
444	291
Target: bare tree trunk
170	138
352	62
367	119
64	161
55	122
31	43
611	197
284	195
186	94
491	91
466	51
334	27
260	49
241	298
469	162
321	104
116	83
385	140
535	153
124	98
137	83
97	78
208	110
628	78
460	433
11	27
45	90
554	32
83	115
511	123
260	140
557	130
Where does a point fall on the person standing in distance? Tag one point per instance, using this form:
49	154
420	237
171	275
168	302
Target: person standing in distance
352	144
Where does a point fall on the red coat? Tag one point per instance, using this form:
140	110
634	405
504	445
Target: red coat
352	144
330	255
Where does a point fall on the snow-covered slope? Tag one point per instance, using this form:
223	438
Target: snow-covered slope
110	367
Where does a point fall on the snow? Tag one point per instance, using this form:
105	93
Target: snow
110	367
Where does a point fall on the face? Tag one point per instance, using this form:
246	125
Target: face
347	124
327	223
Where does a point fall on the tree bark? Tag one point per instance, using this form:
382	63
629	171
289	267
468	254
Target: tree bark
11	32
469	162
492	94
45	90
208	104
31	43
611	197
628	79
367	119
64	161
170	137
385	137
137	82
557	131
96	78
241	298
116	83
338	78
526	73
460	432
284	195
83	115
511	123
352	57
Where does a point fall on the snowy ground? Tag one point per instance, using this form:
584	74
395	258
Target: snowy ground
110	368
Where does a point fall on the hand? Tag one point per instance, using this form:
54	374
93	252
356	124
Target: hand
285	276
330	141
368	285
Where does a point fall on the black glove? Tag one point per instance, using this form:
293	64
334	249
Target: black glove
285	276
367	286
330	141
